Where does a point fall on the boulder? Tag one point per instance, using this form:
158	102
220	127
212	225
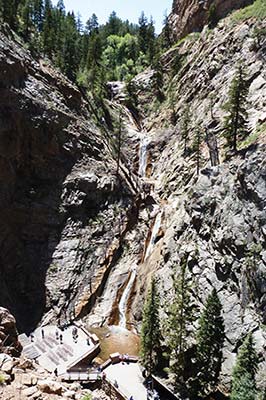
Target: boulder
51	387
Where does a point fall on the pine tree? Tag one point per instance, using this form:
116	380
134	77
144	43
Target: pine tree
142	33
150	331
70	49
93	62
212	16
196	147
244	372
180	315
151	45
210	339
113	25
37	12
92	25
157	78
184	127
172	105
26	19
235	124
166	34
8	12
244	389
48	34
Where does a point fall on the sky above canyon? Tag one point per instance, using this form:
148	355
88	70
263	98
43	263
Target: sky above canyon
130	10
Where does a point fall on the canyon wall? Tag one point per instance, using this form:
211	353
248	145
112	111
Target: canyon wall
192	15
59	194
217	218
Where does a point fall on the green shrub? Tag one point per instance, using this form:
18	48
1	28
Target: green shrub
212	16
255	10
87	397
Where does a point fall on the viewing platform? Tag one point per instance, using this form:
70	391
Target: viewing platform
60	350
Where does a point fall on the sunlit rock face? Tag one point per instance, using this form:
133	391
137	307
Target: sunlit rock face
191	15
8	334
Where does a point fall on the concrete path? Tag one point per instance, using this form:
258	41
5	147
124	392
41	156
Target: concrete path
57	349
129	379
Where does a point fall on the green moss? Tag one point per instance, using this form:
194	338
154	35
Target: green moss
2	380
255	10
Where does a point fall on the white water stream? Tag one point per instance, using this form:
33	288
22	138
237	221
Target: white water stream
124	299
143	156
155	231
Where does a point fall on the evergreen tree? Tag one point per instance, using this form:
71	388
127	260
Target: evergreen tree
143	33
48	34
8	12
184	127
166	40
244	372
26	19
235	124
37	14
94	68
61	8
151	45
212	16
92	25
150	331
172	105
244	389
180	315
157	78
114	25
196	147
70	49
210	339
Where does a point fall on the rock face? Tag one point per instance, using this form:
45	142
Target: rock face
8	334
58	190
217	218
71	230
24	379
191	15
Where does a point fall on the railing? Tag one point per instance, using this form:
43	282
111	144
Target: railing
112	390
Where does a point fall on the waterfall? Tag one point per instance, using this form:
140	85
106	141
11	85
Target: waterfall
124	299
155	231
143	157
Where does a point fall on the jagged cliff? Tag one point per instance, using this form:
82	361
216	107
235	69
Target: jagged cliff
59	191
218	217
73	234
191	16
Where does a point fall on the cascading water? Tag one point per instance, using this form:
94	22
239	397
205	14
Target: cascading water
155	231
143	157
124	299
